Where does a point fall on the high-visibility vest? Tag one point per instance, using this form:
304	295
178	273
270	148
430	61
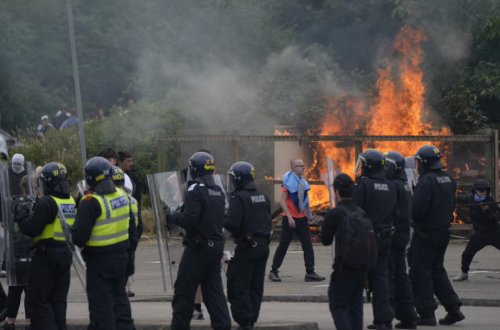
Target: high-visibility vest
134	207
54	230
111	226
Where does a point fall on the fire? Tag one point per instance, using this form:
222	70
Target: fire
456	219
282	132
398	109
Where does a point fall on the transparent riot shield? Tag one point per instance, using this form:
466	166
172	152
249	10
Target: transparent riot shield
16	193
78	262
220	182
166	193
411	172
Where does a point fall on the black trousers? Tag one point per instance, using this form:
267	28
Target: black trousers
109	306
48	286
427	273
14	301
345	296
379	283
400	291
302	230
245	281
200	264
476	243
3	298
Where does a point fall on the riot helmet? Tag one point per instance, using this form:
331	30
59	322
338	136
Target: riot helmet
394	165
481	184
54	177
428	157
369	162
240	174
97	170
201	163
118	176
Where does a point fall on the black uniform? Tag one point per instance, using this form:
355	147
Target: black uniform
345	293
433	206
49	276
107	269
378	197
486	228
249	220
400	290
202	218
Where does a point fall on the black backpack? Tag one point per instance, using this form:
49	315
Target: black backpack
358	247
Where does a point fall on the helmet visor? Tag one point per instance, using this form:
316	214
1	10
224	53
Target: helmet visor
358	168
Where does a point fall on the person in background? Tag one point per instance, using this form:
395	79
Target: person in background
295	204
485	215
345	293
44	126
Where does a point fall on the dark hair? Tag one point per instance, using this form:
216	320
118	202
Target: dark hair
122	155
108	153
343	183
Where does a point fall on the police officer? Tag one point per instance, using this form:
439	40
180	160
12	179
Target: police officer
378	197
49	278
119	181
249	221
345	293
105	227
399	283
433	206
485	215
202	218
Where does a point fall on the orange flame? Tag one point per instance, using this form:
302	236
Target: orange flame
456	219
397	109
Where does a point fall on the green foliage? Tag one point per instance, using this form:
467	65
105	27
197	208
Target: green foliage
136	131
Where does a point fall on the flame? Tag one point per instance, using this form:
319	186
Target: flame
398	109
282	132
456	219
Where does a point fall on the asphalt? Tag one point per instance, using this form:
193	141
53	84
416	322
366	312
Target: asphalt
292	303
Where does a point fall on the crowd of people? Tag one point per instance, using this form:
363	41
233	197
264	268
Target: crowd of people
105	222
380	225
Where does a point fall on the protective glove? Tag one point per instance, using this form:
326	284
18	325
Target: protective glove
22	209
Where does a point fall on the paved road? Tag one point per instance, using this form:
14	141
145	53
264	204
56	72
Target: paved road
298	301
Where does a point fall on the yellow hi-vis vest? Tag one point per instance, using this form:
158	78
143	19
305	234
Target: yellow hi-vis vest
134	207
111	226
54	230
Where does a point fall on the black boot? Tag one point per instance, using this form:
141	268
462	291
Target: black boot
452	318
405	324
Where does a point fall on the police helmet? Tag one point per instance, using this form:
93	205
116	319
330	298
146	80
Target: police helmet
371	161
394	164
118	176
481	184
201	163
429	156
97	170
53	174
241	173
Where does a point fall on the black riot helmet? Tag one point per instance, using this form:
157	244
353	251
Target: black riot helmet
369	162
241	173
55	178
429	157
97	170
201	163
394	165
481	184
118	176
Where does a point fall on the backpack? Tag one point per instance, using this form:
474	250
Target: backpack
358	247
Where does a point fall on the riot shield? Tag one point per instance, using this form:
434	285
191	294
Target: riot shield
218	181
411	172
166	193
16	192
78	262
